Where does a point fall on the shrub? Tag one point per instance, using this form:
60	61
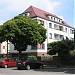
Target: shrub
32	57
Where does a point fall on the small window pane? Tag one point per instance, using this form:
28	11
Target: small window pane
65	29
43	46
50	25
50	35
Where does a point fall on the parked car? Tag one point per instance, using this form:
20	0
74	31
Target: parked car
7	62
28	63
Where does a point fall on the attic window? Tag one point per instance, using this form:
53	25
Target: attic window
41	22
26	14
51	17
62	22
59	20
54	18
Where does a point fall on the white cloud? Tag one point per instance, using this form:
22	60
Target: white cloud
11	8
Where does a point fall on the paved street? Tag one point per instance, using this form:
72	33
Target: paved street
45	71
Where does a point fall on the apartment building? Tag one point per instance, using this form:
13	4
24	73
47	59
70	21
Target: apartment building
57	30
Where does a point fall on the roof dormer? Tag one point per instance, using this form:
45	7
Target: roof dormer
26	14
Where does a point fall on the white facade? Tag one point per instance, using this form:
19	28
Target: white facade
3	47
57	29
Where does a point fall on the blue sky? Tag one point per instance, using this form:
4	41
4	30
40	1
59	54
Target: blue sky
62	8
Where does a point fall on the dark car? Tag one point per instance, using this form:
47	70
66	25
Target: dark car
7	62
28	63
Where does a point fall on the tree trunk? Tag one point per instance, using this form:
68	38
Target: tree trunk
19	55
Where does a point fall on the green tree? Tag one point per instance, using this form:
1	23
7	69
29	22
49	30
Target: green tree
22	31
63	48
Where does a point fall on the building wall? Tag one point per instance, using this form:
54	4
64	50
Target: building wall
3	47
56	31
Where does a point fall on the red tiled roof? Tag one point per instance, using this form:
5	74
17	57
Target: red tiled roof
42	14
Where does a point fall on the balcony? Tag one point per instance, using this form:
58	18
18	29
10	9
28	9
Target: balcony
57	27
58	37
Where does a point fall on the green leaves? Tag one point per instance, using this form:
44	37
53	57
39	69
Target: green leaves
63	48
22	31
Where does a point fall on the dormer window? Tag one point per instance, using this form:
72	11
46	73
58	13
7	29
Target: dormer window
41	22
59	20
26	14
51	17
54	18
62	22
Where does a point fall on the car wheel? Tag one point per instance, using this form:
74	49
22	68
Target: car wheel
41	67
19	68
5	66
28	67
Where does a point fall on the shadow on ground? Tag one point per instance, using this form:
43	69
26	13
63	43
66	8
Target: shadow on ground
56	69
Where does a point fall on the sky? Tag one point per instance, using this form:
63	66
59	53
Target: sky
62	8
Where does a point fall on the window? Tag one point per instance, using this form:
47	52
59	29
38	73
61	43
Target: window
26	14
54	18
51	17
42	22
50	25
43	46
65	29
50	35
71	38
56	36
59	20
3	47
62	22
61	28
56	27
71	31
67	38
61	37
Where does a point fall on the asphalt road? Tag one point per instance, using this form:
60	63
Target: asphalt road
45	71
